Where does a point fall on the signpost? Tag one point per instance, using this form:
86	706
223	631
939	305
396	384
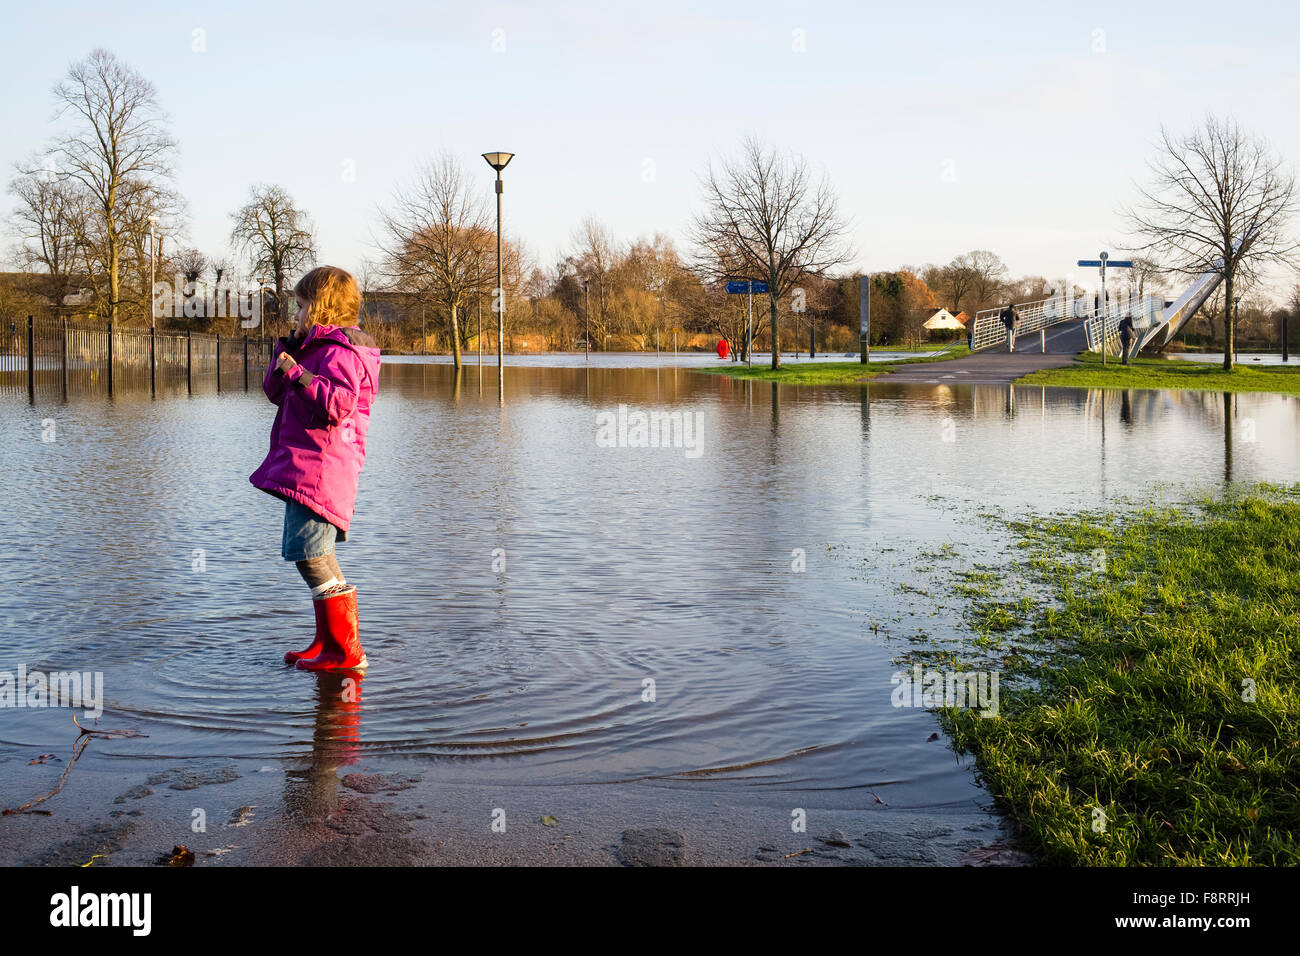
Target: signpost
747	288
1105	305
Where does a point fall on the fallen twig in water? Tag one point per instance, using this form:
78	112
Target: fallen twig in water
83	738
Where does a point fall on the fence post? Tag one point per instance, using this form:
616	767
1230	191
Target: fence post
218	363
189	364
31	362
110	360
65	358
245	361
153	387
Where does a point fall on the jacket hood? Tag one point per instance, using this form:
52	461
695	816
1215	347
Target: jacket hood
353	338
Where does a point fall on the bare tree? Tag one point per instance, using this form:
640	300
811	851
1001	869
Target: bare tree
191	264
437	240
119	142
597	255
276	236
764	210
45	223
951	282
222	273
1146	274
1219	201
987	275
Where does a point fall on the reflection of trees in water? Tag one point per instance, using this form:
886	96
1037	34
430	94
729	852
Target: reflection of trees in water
1227	437
580	385
967	404
311	792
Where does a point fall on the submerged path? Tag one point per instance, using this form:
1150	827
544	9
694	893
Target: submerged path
996	366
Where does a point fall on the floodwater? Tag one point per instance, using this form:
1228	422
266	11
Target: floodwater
663	359
538	606
1241	358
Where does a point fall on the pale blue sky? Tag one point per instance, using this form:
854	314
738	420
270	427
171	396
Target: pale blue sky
1043	135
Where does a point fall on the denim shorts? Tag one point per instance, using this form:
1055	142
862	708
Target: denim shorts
306	534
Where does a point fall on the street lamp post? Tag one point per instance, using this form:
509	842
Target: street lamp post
261	304
586	315
499	161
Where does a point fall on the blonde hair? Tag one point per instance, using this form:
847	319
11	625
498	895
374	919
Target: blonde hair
332	294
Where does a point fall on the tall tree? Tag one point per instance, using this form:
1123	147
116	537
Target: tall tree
765	209
436	241
118	144
1219	201
276	236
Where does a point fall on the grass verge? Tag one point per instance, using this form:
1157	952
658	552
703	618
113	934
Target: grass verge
825	373
1159	721
1168	373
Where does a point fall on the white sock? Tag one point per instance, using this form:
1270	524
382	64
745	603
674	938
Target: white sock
327	586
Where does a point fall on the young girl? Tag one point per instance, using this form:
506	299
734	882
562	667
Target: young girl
324	377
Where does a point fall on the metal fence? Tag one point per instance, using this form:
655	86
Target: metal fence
989	331
48	358
1147	315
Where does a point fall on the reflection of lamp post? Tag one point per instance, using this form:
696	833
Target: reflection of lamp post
153	254
498	161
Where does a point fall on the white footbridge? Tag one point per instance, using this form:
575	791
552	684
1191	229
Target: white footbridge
1155	320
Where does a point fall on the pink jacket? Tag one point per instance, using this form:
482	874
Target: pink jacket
318	441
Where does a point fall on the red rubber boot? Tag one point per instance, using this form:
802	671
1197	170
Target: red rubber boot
318	643
341	648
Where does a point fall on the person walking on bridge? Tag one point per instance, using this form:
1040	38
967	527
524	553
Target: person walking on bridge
1126	335
1010	320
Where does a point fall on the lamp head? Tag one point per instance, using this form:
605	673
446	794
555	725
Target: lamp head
498	161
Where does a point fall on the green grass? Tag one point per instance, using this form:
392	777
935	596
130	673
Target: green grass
1134	699
1169	373
921	347
824	373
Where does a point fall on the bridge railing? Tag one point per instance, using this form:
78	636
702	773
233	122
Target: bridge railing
1148	314
1093	328
989	330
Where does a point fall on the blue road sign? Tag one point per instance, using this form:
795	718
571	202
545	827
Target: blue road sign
1094	263
740	288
